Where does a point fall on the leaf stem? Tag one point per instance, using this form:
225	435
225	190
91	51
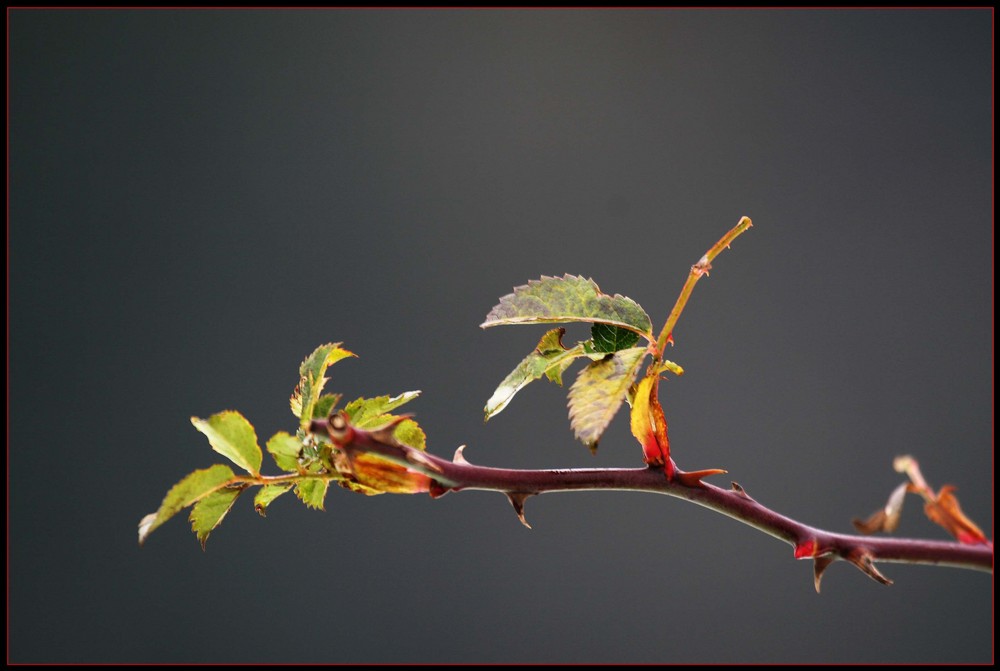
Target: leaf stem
697	270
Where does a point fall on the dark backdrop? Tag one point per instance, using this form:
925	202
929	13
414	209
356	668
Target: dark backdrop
199	198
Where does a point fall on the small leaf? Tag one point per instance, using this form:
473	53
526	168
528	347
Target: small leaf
286	450
232	436
311	379
266	496
324	404
312	491
409	433
887	519
207	514
944	510
568	299
189	490
608	338
369	413
550	358
599	391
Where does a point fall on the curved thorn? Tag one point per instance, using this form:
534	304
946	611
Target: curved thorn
517	500
459	458
864	562
820	564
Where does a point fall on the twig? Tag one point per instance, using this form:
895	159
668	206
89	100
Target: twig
824	547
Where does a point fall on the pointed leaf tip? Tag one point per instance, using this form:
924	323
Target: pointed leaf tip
208	513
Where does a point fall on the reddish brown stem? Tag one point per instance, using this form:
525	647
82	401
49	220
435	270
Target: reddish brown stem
808	542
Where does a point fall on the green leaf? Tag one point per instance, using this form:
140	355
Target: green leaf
311	380
324	404
208	513
266	495
608	338
568	299
409	433
599	391
550	358
369	413
189	490
286	450
232	436
312	491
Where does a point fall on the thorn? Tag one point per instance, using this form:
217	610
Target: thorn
740	491
693	478
459	458
863	561
820	564
517	500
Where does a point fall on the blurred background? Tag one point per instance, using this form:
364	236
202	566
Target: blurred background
200	198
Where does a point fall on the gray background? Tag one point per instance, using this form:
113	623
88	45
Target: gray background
199	198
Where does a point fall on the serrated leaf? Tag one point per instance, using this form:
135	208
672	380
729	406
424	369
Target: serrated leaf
550	358
189	490
266	495
568	299
207	514
232	436
409	433
599	391
608	338
311	379
286	450
324	404
312	492
368	413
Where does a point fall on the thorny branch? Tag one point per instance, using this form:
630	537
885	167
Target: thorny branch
824	547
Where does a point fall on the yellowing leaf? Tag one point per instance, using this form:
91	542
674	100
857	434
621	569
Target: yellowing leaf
599	391
550	358
189	490
232	436
569	298
311	379
382	475
643	423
